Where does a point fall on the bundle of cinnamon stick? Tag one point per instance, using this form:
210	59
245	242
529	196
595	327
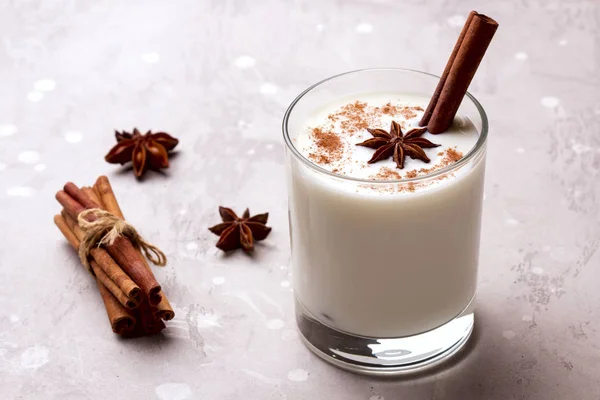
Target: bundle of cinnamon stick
134	301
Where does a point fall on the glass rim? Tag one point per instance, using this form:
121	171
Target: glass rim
468	157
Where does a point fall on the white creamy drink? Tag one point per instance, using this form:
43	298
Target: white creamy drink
381	259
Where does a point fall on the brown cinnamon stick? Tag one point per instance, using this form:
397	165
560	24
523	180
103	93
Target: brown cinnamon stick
108	197
110	204
74	200
91	193
72	190
468	52
121	320
149	320
164	309
129	302
438	90
107	271
70	205
66	231
129	259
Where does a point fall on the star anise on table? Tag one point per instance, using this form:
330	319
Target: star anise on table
397	144
236	232
148	151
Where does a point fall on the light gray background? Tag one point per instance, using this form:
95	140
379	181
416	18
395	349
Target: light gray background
219	75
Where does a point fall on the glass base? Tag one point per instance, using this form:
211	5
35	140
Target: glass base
384	356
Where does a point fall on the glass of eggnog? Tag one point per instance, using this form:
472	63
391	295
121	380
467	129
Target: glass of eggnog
385	220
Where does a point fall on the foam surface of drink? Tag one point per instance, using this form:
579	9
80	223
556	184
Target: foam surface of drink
348	119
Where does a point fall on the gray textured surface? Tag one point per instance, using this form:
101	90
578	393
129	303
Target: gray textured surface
176	66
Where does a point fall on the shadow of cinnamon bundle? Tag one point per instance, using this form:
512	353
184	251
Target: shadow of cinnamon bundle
134	301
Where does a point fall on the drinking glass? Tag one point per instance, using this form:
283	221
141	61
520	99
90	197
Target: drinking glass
384	275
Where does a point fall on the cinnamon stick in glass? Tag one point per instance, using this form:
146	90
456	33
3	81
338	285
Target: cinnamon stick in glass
74	200
438	90
468	52
121	320
110	204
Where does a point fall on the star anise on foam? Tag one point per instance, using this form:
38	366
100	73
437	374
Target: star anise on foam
397	144
148	151
236	232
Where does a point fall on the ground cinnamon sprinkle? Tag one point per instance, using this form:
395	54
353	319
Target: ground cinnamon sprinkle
409	187
355	117
358	116
357	106
354	124
386	174
453	156
450	157
408	112
329	146
333	141
319	158
327	140
389	109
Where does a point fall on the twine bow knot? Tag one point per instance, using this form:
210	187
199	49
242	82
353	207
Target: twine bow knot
106	229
